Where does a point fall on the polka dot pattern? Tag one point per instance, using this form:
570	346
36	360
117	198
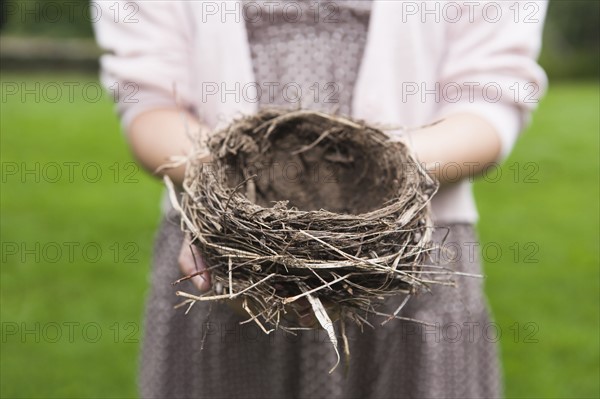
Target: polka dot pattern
309	53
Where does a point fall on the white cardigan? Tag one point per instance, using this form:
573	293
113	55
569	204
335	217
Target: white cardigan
422	60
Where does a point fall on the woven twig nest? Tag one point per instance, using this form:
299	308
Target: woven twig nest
301	204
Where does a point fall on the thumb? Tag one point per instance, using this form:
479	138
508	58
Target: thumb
191	263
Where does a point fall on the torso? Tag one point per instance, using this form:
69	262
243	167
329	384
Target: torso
307	53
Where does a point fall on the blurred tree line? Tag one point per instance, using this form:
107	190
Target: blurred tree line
571	38
48	18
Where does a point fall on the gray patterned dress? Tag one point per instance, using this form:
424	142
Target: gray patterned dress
207	353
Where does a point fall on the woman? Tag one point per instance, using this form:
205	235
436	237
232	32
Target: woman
180	65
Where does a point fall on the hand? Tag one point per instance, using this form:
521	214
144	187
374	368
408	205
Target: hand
302	313
462	140
192	263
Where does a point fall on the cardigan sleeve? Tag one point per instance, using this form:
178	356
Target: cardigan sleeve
490	67
146	64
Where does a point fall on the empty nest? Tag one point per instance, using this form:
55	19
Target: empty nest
302	204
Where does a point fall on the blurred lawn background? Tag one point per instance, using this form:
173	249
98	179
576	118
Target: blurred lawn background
548	312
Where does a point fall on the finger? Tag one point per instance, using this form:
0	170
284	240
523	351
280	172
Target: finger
307	320
191	262
302	305
306	316
303	309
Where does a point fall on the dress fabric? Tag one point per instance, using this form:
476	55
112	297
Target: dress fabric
209	354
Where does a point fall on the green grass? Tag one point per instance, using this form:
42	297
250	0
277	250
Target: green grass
559	214
109	292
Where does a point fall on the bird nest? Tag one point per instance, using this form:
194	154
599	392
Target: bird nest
302	204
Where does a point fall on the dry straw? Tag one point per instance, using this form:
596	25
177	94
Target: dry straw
302	204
